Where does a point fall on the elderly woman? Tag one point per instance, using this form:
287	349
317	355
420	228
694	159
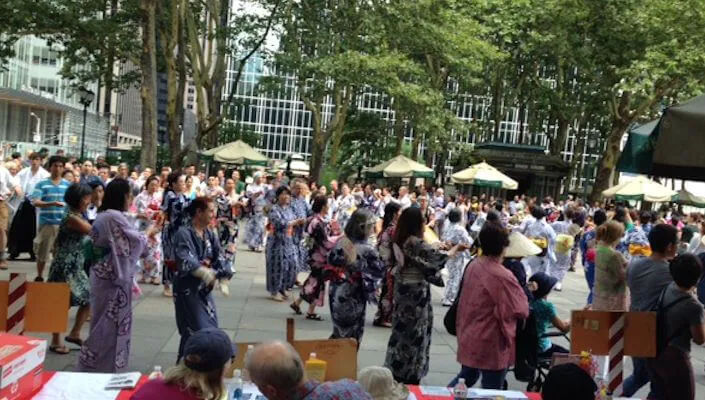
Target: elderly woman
282	253
491	303
345	205
302	210
255	227
360	270
118	246
200	265
199	376
455	234
417	264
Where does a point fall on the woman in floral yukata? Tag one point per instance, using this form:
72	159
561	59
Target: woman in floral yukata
173	205
454	233
118	245
200	265
255	227
383	318
361	270
345	205
147	205
282	254
229	208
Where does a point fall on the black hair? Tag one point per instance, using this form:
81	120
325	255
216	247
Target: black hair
356	227
75	193
115	195
537	212
16	155
600	217
498	206
568	381
620	214
452	198
410	223
661	236
319	202
493	216
56	159
645	217
150	180
390	211
686	270
455	215
281	189
493	239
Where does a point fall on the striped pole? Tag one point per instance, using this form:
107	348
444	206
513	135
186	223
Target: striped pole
616	354
17	299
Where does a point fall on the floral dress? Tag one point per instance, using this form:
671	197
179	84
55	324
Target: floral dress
455	234
227	226
255	228
543	235
322	239
148	205
302	210
282	254
350	293
610	293
409	345
345	206
174	206
69	260
386	297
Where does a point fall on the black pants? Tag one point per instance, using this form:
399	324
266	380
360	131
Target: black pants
23	229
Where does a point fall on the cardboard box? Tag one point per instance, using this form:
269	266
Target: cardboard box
21	365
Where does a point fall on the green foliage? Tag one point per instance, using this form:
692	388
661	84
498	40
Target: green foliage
367	143
231	131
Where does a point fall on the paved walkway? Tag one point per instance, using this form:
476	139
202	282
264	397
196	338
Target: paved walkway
248	315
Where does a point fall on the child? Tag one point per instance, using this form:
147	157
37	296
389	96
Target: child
541	285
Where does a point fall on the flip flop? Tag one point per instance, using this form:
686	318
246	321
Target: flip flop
296	308
77	341
63	350
314	317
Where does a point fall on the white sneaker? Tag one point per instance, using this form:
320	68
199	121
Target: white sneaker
558	287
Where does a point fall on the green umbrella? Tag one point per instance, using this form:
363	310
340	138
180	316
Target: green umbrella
237	152
689	199
400	167
638	152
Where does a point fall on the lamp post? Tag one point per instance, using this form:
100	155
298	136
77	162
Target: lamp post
36	137
85	97
591	143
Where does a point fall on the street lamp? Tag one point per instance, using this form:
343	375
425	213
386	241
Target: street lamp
591	143
85	97
37	137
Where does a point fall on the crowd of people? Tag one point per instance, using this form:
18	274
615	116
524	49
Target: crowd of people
104	230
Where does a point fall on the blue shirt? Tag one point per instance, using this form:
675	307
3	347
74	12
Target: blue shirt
47	191
544	311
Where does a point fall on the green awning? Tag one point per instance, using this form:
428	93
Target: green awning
400	167
638	153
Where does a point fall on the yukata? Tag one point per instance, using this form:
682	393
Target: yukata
282	254
174	205
350	293
227	226
637	242
386	297
541	233
255	228
69	263
565	239
408	350
588	243
611	292
455	234
119	245
344	208
322	240
148	205
302	211
193	301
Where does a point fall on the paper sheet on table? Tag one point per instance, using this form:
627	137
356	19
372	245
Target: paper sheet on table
505	394
434	391
75	385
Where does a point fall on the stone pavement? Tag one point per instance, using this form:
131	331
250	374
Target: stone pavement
248	316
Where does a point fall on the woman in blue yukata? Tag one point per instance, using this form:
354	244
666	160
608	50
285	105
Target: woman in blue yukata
455	234
174	204
258	221
361	269
282	253
200	265
540	232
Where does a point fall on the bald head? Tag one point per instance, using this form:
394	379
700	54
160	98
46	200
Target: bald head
276	368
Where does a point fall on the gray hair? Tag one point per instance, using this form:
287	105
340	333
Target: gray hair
276	364
360	225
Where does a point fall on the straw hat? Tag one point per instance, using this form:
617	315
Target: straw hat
520	246
380	384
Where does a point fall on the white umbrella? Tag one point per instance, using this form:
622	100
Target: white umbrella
298	166
400	167
640	188
484	174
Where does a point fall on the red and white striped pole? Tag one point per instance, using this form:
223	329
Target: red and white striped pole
616	354
16	302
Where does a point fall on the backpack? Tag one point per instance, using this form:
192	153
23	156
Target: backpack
662	337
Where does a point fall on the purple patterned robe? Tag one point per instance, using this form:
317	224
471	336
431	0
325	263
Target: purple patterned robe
107	348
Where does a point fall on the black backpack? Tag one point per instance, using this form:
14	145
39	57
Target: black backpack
662	336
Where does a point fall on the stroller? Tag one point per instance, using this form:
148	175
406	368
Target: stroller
529	367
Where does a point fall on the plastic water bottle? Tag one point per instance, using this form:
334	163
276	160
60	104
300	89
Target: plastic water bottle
237	385
245	373
156	373
460	391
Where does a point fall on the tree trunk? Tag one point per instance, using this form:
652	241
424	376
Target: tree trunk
497	106
318	147
148	155
558	144
335	147
609	158
399	132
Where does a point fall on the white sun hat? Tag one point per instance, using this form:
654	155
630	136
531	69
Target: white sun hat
380	384
520	246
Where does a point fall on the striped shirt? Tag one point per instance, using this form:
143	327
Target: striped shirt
47	191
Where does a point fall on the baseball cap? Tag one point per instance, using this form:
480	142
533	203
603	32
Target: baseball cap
208	350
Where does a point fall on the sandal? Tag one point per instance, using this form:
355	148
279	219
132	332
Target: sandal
314	317
296	308
63	350
284	295
155	282
276	297
77	341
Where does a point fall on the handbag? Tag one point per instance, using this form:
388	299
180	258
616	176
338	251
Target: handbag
451	317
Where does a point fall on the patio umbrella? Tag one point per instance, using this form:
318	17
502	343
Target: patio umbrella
299	167
640	188
237	152
637	156
484	174
689	199
400	167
